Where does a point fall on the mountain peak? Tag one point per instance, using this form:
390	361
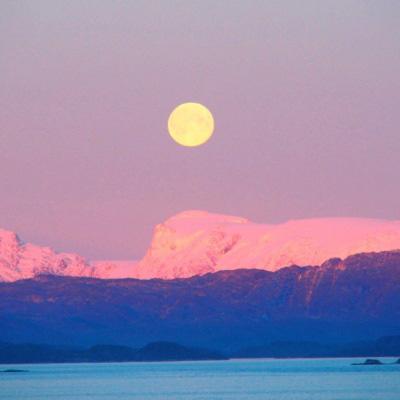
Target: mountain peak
186	219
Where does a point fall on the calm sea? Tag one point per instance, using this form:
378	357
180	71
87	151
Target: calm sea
298	379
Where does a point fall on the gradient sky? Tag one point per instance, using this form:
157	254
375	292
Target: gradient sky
305	96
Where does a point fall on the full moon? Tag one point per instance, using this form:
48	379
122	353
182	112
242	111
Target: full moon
191	124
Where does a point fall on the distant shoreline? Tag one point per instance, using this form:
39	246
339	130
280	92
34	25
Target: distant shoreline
17	354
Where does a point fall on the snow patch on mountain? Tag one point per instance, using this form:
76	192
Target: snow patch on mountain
114	269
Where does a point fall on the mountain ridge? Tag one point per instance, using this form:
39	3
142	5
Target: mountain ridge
196	242
357	298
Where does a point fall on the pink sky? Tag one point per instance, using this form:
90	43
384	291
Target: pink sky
305	97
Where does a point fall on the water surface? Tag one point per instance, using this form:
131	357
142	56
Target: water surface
295	379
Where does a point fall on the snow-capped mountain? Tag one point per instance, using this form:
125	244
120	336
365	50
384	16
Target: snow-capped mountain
197	242
19	260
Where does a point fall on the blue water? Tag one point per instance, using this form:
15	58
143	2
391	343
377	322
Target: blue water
298	379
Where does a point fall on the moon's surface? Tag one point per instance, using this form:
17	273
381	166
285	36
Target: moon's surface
191	124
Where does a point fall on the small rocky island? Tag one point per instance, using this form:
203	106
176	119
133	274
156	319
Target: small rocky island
374	361
370	361
12	370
